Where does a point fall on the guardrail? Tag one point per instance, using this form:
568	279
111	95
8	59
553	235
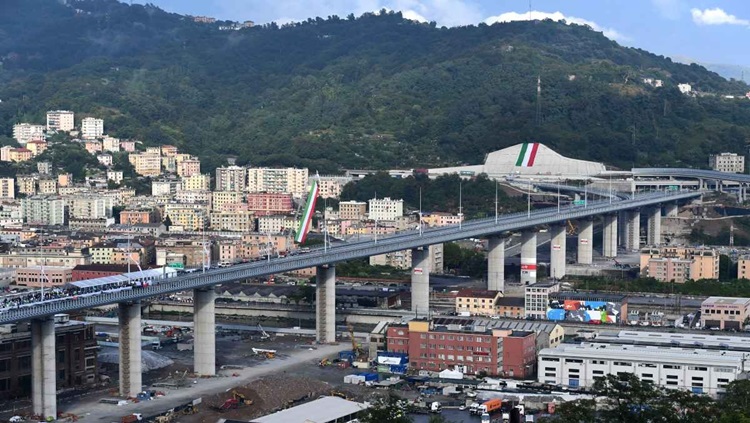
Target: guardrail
344	252
692	173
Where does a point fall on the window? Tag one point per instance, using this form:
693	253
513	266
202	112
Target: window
550	369
671	377
5	365
671	366
622	363
598	372
573	360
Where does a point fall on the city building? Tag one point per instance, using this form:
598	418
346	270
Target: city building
725	312
19	154
43	276
168	150
743	267
477	302
435	219
696	370
146	164
512	307
352	210
120	252
7	189
685	88
187	217
92	128
43	210
221	198
193	197
192	252
93	146
36	147
669	269
64	179
281	181
105	159
45	168
322	410
276	223
75	354
236	221
111	144
704	263
385	209
60	120
402	259
196	182
115	176
44	256
232	178
189	167
165	187
47	186
87	206
84	272
727	162
27	184
259	244
139	216
127	145
493	352
331	186
536	299
26	132
264	204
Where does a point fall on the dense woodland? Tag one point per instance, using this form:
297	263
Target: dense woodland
375	91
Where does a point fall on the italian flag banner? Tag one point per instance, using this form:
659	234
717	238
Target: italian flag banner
306	220
528	154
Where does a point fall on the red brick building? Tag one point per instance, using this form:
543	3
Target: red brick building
266	204
83	272
436	348
135	217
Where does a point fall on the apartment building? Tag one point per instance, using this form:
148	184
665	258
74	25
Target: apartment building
727	162
436	219
115	176
127	145
19	154
669	269
26	132
189	167
168	150
44	256
44	168
264	204
43	210
146	164
536	299
60	120
47	186
166	187
331	186
221	198
111	144
44	276
276	224
188	217
193	252
283	181
122	253
92	128
93	146
232	178
477	302
352	210
7	189
196	182
402	259
385	209
238	221
725	312
258	244
89	206
139	216
191	197
433	347
704	263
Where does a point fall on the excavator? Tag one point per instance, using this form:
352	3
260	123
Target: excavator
358	352
231	403
266	353
572	230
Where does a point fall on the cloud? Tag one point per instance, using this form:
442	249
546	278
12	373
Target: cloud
413	16
670	9
716	16
555	16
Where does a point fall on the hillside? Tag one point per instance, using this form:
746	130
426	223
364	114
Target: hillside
375	91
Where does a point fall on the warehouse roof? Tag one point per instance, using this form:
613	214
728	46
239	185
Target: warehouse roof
323	410
642	353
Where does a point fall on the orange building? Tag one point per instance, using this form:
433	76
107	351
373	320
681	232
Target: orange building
20	155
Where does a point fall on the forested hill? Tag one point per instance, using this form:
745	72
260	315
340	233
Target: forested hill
375	91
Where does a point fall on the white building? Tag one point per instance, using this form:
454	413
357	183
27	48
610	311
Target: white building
168	187
286	181
43	210
111	144
92	128
115	176
7	189
685	88
25	132
89	206
60	120
385	209
105	159
695	370
275	224
727	162
536	299
232	178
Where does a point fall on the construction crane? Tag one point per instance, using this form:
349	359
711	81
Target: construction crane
572	230
355	348
264	336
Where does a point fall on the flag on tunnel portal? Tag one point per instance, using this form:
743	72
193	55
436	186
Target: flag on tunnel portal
306	220
528	154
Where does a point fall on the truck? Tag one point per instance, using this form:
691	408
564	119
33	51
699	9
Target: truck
487	407
435	407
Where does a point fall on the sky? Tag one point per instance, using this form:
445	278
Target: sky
704	31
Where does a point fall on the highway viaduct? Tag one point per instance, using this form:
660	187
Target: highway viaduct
621	226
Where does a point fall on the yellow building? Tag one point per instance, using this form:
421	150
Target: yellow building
220	198
7	189
236	221
146	164
19	154
704	261
26	184
478	302
47	186
197	182
189	217
36	147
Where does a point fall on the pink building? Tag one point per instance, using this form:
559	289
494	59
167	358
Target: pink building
264	204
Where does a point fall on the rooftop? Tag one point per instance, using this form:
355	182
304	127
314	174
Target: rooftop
726	301
476	293
326	409
707	341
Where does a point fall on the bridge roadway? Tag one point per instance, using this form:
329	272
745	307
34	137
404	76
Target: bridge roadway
343	252
691	173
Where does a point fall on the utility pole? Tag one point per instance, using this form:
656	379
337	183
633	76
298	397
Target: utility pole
460	203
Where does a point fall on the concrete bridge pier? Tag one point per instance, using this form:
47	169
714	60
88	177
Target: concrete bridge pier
654	226
586	241
43	368
325	304
496	263
557	251
131	381
633	235
204	331
609	241
528	257
671	209
420	281
622	229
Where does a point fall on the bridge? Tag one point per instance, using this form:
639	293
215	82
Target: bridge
620	209
704	177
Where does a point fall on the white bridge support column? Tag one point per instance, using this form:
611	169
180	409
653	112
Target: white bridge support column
325	304
654	226
129	315
528	257
43	368
609	241
633	235
671	209
496	263
420	281
204	331
586	241
622	229
557	251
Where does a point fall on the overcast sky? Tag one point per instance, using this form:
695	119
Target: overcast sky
707	31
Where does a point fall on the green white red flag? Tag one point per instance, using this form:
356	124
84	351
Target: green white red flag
306	220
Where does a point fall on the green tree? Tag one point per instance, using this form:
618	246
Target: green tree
386	410
578	411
